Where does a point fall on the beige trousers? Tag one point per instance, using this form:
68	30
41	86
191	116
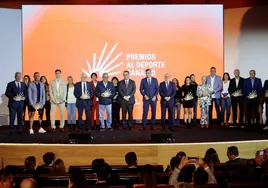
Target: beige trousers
53	114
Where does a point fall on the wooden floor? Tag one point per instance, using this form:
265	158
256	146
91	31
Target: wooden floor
114	154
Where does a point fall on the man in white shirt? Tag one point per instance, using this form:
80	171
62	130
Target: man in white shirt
58	92
215	82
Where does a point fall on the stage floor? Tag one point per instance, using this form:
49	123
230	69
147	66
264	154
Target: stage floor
181	135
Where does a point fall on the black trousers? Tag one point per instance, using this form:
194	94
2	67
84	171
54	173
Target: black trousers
238	101
217	103
127	108
115	114
253	111
47	107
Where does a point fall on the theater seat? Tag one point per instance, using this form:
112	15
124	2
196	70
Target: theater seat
246	184
207	186
107	187
160	185
162	178
15	169
43	170
49	180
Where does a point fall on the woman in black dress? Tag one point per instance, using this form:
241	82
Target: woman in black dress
115	105
188	101
177	102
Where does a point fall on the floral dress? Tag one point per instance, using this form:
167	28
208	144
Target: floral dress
204	102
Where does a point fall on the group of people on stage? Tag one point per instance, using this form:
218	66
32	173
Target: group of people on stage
98	97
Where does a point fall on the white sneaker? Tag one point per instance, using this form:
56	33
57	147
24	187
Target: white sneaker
41	130
31	131
265	128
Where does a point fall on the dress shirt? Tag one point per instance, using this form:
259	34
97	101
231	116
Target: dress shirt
212	79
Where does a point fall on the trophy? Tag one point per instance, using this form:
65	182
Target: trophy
106	93
116	95
86	95
237	93
189	97
38	106
19	97
252	95
266	93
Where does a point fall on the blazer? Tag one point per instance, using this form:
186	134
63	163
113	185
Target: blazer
100	88
78	94
257	86
150	90
129	91
170	92
62	90
232	86
265	88
32	93
237	160
12	91
217	87
94	100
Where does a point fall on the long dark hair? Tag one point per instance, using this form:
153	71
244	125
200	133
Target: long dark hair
226	73
212	155
186	79
29	79
178	84
46	83
148	176
115	79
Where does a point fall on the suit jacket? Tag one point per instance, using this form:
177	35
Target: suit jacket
62	90
265	88
237	160
217	87
232	86
257	86
94	100
170	92
12	90
101	88
32	93
78	93
129	91
150	90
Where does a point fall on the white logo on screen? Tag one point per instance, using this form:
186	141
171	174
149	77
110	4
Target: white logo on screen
104	65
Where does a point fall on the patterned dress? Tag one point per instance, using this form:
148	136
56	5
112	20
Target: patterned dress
204	102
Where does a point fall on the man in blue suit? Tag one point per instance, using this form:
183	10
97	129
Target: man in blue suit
84	94
215	82
167	92
105	91
37	100
15	103
252	85
149	90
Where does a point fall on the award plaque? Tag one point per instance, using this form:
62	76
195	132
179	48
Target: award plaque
38	106
107	93
252	95
85	95
19	97
189	97
237	93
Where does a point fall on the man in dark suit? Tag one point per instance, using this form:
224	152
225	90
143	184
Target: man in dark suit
252	92
127	89
149	90
167	92
236	90
233	155
16	93
84	94
105	91
265	92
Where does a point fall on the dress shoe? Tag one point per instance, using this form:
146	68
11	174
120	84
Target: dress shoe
152	129
87	130
61	129
110	129
102	130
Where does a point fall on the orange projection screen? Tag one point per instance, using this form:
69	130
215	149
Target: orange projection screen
175	39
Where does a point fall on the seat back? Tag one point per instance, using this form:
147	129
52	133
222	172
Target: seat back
43	170
15	169
49	180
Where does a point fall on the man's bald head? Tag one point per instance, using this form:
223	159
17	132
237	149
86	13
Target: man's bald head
28	183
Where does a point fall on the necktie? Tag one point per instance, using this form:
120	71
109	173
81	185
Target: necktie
149	81
252	82
126	83
167	85
18	86
85	87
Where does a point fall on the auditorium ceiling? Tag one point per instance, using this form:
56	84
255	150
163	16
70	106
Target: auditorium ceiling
227	3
